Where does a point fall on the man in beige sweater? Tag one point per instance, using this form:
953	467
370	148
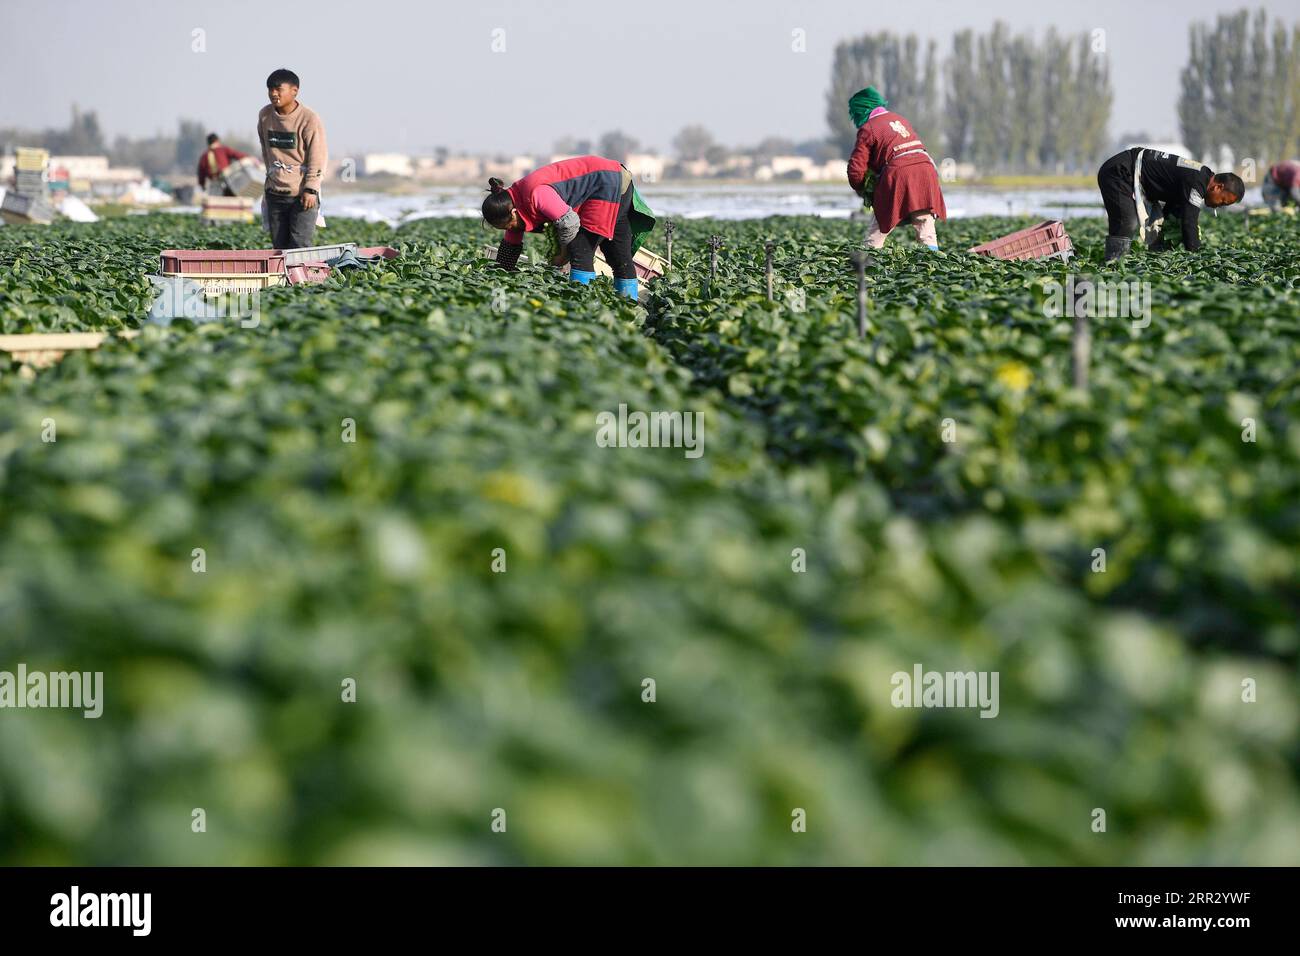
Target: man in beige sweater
294	151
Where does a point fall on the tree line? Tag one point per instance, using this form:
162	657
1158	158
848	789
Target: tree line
999	100
1015	103
1241	89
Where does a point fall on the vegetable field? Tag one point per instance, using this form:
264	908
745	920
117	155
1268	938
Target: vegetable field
500	587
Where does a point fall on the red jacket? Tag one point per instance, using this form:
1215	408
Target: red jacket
1285	173
591	185
907	181
215	159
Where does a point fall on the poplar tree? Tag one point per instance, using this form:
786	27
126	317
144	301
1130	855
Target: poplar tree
1240	89
1009	102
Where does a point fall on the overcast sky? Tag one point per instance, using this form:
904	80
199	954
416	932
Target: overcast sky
409	76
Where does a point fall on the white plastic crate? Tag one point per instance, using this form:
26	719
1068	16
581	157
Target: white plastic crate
17	209
245	177
293	257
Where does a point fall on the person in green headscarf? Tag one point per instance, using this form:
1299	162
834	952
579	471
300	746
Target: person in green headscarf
863	102
892	172
861	105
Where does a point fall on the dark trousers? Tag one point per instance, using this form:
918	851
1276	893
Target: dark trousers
1115	180
290	226
618	250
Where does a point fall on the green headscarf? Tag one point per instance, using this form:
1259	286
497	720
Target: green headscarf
863	102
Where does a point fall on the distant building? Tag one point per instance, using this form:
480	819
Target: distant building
523	165
392	164
694	168
646	167
508	170
80	167
802	168
450	169
341	169
834	171
125	184
784	166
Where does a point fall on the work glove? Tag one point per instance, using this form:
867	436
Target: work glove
566	227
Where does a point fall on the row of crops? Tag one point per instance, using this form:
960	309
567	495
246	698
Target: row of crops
359	468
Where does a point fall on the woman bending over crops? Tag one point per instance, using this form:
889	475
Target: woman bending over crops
589	201
891	170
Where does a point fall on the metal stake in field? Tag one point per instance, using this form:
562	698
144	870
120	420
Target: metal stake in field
669	228
768	246
1081	348
861	260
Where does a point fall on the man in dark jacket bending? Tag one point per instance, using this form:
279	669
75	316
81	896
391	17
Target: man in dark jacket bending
1141	186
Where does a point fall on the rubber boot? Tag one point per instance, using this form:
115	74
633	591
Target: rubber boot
1117	247
577	275
627	287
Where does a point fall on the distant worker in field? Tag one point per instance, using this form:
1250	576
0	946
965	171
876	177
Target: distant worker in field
1282	185
892	172
294	152
590	201
1141	186
214	162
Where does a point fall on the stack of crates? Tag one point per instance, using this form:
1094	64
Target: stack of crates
225	270
31	172
29	200
223	209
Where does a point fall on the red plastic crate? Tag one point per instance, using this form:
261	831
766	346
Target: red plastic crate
370	252
221	261
1048	238
310	272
